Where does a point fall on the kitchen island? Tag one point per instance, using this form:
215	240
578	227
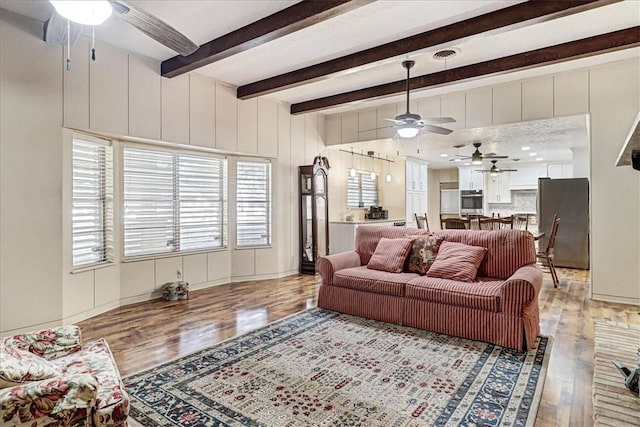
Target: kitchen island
342	234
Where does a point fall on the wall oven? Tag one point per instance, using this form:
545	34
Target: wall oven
470	201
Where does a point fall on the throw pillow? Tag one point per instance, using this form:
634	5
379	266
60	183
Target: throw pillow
390	255
423	253
457	261
19	366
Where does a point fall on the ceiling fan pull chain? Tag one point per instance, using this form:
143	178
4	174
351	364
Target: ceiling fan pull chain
93	43
68	45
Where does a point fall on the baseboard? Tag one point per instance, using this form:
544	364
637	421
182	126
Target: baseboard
70	320
269	276
30	328
616	299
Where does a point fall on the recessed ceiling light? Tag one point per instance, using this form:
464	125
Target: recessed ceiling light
538	159
533	154
444	155
525	148
457	160
467	164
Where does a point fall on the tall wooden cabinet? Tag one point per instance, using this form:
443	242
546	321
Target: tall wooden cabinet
314	216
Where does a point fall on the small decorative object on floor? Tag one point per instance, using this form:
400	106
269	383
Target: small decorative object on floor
175	291
630	377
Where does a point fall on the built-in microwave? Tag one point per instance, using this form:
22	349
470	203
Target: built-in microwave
470	201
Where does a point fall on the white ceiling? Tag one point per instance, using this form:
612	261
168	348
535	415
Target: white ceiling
376	23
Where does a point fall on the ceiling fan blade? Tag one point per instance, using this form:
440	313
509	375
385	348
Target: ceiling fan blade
437	129
400	122
487	156
439	120
154	27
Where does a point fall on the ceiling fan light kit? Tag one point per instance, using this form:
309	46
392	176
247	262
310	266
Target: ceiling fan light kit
93	12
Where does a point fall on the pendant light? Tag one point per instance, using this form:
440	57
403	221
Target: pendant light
388	178
352	171
373	165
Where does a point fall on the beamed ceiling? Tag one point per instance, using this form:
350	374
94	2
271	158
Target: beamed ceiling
339	55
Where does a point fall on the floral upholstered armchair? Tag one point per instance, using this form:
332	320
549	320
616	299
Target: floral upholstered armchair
49	378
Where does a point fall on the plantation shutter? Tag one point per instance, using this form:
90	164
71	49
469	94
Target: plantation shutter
253	213
201	194
92	202
362	189
353	191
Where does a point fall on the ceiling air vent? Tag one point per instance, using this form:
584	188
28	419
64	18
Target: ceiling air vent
445	54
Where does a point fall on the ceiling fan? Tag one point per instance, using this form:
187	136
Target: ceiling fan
408	125
58	27
495	170
477	157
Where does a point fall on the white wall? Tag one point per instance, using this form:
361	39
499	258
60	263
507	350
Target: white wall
610	94
123	97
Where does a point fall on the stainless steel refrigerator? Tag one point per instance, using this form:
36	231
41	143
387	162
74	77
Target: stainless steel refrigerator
569	198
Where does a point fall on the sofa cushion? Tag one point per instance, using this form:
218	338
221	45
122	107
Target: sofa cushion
19	366
483	294
508	250
390	255
457	261
423	253
367	237
374	281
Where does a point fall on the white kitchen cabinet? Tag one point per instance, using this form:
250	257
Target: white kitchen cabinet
416	177
560	170
526	178
498	188
416	190
469	179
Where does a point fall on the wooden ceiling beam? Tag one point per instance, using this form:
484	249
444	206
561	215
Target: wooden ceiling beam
596	45
508	18
294	18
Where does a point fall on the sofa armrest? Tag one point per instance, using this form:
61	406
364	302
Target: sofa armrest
328	265
65	400
48	343
521	289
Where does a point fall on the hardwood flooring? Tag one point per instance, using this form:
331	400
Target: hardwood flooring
147	334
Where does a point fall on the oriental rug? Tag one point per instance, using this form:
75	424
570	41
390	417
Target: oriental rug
321	368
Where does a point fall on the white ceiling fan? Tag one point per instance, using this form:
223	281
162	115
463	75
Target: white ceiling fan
408	125
60	31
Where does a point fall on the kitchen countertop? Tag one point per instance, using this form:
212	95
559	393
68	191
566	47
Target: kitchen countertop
368	221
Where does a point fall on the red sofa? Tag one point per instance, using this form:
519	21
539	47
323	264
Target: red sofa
500	306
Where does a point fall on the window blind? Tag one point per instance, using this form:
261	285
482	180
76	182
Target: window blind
172	202
253	194
92	202
362	189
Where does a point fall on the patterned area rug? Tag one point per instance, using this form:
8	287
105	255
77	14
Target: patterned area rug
321	368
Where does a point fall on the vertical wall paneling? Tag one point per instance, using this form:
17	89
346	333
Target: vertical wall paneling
333	128
367	123
285	198
167	270
226	118
175	109
137	278
76	86
264	261
243	263
349	127
507	103
30	175
248	126
144	97
453	105
322	145
297	159
571	93
109	91
267	128
78	293
614	102
106	283
429	107
219	266
479	108
311	139
537	98
202	111
384	127
195	268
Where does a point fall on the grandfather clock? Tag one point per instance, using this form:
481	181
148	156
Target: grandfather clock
314	216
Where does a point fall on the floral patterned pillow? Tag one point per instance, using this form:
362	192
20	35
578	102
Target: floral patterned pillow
423	253
18	367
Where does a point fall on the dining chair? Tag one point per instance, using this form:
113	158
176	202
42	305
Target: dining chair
422	222
521	222
546	256
455	223
495	223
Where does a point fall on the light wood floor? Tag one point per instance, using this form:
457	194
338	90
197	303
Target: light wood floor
147	334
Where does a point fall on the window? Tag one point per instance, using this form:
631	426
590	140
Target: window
362	190
173	202
253	213
92	201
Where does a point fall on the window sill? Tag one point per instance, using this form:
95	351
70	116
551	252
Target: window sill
241	248
91	267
